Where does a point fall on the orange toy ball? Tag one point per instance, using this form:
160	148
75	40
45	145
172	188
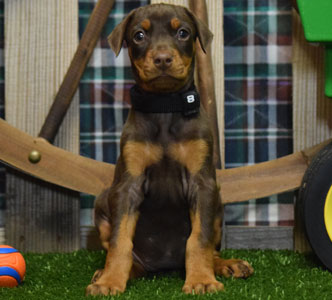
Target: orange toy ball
12	266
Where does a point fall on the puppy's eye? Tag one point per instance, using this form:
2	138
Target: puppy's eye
139	37
183	34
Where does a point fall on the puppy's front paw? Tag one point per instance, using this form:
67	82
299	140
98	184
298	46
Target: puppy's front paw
232	267
96	289
192	287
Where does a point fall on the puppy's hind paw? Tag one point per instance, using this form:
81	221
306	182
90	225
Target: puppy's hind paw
232	267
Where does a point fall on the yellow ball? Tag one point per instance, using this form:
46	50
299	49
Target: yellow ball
12	266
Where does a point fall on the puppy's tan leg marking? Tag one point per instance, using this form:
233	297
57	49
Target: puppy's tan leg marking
137	271
232	267
139	155
104	229
200	276
192	154
113	279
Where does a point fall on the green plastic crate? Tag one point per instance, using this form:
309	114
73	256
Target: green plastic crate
316	16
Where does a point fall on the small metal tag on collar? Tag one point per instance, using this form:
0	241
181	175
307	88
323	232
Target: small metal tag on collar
191	103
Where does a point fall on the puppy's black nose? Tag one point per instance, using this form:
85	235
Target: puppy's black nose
163	60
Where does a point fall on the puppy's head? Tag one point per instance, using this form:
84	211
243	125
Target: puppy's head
161	45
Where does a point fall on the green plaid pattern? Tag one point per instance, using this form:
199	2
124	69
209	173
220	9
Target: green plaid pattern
2	111
258	93
104	95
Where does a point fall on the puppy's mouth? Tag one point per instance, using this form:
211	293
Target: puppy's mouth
151	73
164	82
165	76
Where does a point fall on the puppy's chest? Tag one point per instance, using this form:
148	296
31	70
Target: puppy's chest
170	144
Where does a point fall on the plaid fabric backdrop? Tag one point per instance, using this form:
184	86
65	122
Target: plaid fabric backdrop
258	106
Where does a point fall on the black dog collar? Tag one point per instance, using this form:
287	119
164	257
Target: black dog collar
187	103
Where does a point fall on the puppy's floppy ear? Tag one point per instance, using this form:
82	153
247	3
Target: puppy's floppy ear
205	36
115	39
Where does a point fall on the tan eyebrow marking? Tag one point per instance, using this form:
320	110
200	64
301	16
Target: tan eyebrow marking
146	24
175	23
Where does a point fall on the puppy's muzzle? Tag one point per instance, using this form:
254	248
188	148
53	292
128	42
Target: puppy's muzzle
163	60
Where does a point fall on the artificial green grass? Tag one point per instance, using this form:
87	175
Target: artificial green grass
278	275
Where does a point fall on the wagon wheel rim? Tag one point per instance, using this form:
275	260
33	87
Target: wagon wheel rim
328	213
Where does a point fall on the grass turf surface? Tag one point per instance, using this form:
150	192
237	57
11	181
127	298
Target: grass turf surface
278	275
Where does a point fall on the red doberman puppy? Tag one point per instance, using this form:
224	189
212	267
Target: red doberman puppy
163	211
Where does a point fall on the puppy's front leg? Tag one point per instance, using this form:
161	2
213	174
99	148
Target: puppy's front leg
200	277
121	203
